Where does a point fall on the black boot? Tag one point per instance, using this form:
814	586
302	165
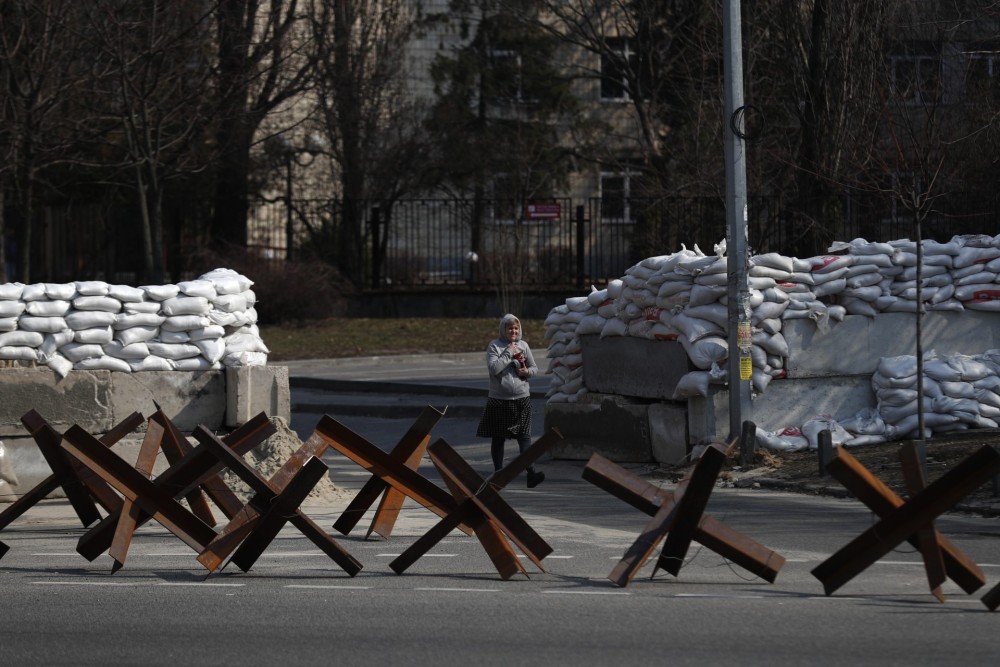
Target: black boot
535	478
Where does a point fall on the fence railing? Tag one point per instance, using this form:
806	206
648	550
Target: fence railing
558	243
566	243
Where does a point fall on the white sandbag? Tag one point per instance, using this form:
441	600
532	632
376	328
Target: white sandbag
855	306
173	350
787	440
129	320
103	363
607	309
174	337
771	343
760	379
211	331
592	324
160	292
96	336
614	327
772	260
680	299
694	328
41	324
91	287
150	363
53	342
711	280
227	281
48	308
964	390
33	292
968	255
640	328
758	356
213	349
126	293
11	308
135	351
830	287
185	305
860	440
770	325
19	353
136	335
103	303
141	306
896	396
26	338
245	343
60	291
769	310
90	319
694	383
662	331
578	304
77	352
867	421
866	280
778	275
59	364
828	263
235	359
715	313
8	323
813	427
202	288
704	294
615	288
706	351
11	291
596	296
985	305
185	322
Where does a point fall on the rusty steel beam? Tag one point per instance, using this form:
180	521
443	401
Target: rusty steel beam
927	535
479	504
992	598
179	479
488	501
662	506
906	520
275	502
410	450
387	468
881	500
133	486
129	512
72	474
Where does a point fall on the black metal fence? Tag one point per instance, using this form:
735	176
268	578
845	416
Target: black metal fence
557	243
561	243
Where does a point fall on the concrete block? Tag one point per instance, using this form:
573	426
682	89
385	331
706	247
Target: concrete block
254	389
608	425
668	432
82	397
791	401
189	398
855	345
630	366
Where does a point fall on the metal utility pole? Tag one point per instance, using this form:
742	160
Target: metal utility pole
739	366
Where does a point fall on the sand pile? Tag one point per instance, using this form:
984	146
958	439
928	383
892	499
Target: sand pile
270	455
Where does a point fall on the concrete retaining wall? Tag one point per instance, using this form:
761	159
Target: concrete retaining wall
96	400
828	373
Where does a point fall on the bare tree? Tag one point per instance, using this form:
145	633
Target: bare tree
260	66
371	125
152	65
39	73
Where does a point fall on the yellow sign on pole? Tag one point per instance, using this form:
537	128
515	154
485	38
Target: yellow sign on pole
746	368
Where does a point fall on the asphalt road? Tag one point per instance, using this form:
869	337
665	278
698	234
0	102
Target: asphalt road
451	608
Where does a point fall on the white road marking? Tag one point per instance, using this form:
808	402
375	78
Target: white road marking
425	555
587	592
458	590
346	588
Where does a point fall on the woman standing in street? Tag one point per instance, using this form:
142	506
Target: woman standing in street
508	406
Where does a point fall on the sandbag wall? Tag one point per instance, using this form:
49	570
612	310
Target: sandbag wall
201	324
683	297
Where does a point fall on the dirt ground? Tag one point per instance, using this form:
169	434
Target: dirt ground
800	471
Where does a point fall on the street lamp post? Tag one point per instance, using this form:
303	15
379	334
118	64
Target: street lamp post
293	156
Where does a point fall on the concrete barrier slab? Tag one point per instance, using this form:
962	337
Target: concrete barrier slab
608	425
82	397
630	366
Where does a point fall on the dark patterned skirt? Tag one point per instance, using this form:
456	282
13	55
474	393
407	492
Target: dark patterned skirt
505	419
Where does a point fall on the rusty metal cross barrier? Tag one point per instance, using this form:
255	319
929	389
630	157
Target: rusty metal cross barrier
275	502
678	518
409	450
478	503
390	469
84	490
152	499
911	520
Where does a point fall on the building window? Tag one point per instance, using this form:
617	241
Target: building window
619	64
615	194
982	75
507	77
917	78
